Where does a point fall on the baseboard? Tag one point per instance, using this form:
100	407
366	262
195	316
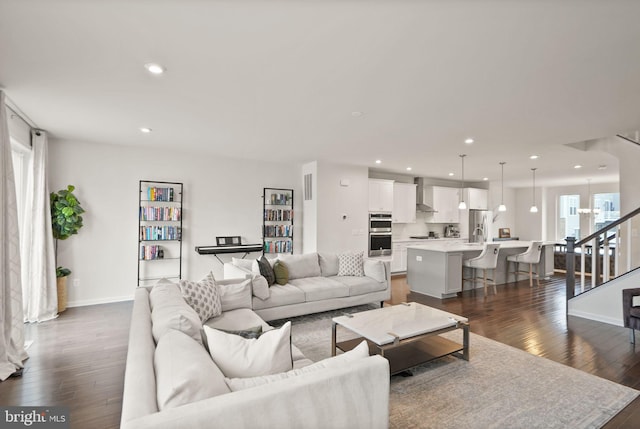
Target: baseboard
596	317
85	302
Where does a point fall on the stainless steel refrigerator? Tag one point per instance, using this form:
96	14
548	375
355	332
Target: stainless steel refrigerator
480	222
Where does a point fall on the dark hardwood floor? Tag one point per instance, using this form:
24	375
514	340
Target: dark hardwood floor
78	359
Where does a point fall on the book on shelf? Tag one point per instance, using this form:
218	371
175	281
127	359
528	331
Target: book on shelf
278	246
280	199
150	233
278	230
279	215
153	213
160	194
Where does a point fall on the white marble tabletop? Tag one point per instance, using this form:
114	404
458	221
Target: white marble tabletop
406	320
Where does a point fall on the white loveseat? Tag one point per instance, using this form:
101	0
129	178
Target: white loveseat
355	395
314	285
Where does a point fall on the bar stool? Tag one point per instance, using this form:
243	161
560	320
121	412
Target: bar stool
487	260
531	257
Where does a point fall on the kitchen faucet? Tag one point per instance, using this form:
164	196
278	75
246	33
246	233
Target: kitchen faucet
479	228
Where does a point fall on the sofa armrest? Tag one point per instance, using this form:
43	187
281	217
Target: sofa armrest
627	301
317	399
231	271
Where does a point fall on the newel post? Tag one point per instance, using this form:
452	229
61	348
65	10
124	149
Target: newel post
571	269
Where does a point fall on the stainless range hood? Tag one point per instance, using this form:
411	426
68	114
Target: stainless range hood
421	205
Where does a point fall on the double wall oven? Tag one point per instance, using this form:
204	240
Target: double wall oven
379	234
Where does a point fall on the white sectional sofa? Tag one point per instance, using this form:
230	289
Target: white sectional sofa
165	359
314	285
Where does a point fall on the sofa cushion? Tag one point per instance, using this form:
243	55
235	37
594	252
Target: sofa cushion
634	312
245	264
281	271
170	311
203	296
235	295
237	320
260	286
351	264
185	372
320	288
282	295
300	266
240	357
328	264
361	351
360	285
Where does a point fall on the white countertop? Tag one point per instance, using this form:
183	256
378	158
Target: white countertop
452	246
425	240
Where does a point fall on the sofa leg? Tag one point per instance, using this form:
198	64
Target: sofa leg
632	335
381	304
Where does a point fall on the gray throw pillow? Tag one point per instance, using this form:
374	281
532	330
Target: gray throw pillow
266	270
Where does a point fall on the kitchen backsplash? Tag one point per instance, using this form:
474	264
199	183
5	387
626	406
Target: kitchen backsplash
405	230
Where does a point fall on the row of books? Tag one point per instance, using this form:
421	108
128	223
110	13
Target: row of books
160	233
280	199
278	246
278	214
278	230
160	213
159	194
148	253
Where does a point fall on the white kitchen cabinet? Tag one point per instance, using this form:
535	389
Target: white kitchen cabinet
445	203
477	199
404	202
399	258
380	195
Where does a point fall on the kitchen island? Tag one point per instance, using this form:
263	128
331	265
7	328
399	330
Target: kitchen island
435	268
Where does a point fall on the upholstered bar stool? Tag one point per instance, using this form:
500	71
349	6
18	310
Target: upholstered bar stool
487	260
531	257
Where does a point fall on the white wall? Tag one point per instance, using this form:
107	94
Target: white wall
336	234
221	197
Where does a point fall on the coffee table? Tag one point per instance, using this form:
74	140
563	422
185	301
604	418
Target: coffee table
407	334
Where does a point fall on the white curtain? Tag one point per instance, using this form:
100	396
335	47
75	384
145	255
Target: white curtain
12	351
39	292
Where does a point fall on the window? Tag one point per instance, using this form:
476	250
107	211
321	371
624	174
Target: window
568	217
606	209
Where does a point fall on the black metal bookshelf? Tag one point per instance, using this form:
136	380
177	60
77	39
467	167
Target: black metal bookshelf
277	220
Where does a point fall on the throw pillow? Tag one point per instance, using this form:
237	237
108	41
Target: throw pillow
240	357
235	295
242	263
203	297
351	264
281	272
266	270
260	287
184	372
635	301
361	351
250	333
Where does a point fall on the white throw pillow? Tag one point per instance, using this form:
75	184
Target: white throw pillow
375	269
260	286
635	301
184	372
351	264
203	296
245	264
235	295
361	351
240	357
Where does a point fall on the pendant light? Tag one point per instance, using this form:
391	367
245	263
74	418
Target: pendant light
462	205
502	207
534	208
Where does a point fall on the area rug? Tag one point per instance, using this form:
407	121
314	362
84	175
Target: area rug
500	386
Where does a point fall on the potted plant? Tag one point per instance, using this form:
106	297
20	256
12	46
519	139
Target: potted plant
65	222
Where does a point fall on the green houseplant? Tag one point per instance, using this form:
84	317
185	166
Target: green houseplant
65	222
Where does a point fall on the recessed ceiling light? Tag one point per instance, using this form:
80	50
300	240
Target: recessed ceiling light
356	114
451	174
468	141
408	168
534	157
577	166
378	161
145	130
154	68
485	178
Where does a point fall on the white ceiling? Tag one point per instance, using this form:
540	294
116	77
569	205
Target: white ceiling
279	80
